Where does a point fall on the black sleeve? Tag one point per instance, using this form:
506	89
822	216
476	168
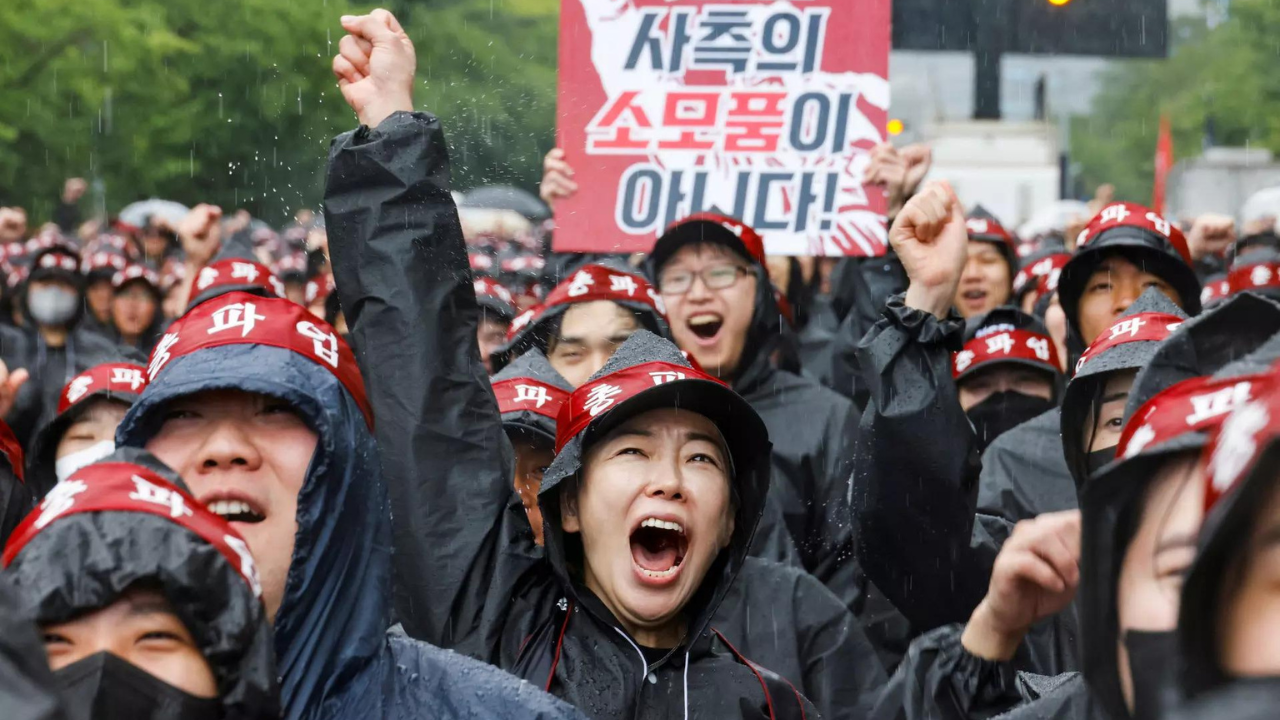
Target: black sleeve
402	275
842	673
67	217
915	482
940	680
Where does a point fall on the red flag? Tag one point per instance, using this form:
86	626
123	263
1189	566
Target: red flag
1164	161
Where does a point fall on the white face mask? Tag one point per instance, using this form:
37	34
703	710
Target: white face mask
66	465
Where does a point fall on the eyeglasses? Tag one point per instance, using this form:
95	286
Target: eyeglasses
716	277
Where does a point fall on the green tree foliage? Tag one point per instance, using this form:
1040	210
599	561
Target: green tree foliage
233	102
1226	74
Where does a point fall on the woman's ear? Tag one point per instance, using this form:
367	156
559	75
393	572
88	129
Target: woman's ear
728	526
569	511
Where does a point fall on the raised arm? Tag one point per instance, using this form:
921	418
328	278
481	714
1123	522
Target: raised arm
915	487
405	287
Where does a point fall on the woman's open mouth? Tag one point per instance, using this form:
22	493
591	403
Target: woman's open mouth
658	548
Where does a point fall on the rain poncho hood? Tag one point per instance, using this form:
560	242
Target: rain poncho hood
530	394
334	654
743	430
1241	464
1129	344
65	561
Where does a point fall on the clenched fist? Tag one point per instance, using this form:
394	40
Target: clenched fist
930	239
1211	234
1035	576
200	233
375	66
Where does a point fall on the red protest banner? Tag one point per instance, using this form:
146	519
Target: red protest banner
765	110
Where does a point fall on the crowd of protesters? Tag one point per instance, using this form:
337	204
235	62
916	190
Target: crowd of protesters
371	466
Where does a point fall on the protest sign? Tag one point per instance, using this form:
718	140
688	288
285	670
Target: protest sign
762	110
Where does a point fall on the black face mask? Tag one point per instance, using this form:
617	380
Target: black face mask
1002	412
1152	665
104	686
1098	459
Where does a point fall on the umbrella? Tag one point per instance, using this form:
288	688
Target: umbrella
136	214
505	197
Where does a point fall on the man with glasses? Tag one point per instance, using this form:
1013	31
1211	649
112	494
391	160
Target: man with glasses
722	311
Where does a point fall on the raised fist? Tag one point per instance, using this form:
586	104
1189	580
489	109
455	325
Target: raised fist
200	233
1211	234
930	239
557	178
375	66
1035	576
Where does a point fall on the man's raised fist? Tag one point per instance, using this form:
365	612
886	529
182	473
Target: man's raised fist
930	239
375	66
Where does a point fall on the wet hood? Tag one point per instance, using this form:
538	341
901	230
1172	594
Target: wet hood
336	606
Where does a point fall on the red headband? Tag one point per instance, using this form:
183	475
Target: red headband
135	272
1252	277
236	273
239	318
527	394
1215	291
1042	268
597	282
523	320
988	230
1135	216
1190	406
1004	346
125	487
123	378
752	242
1151	327
1235	447
488	287
593	399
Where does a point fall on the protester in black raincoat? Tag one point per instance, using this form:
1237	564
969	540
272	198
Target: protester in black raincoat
1139	520
260	406
1226	631
917	462
584	319
736	332
1124	250
400	265
779	616
53	348
120	553
83	430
